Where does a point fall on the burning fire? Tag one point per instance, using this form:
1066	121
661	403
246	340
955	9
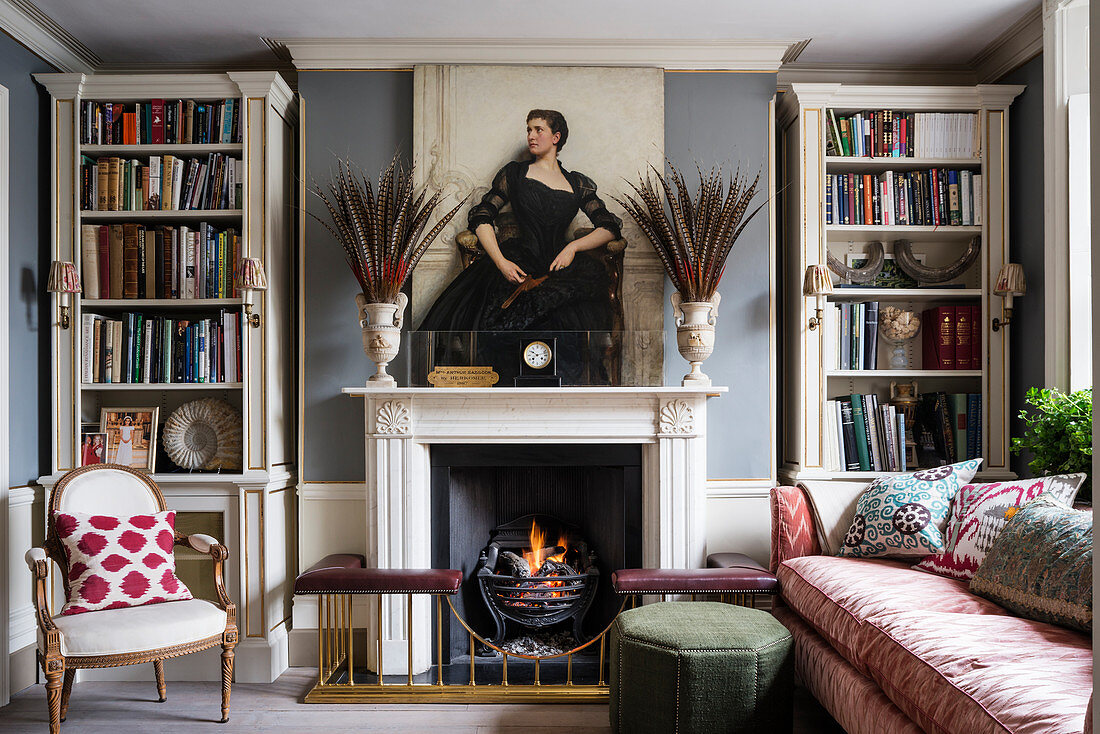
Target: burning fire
535	557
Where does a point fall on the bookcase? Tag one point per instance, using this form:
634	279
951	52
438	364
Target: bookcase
810	232
252	204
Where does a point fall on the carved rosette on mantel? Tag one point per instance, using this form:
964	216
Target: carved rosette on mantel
695	322
381	324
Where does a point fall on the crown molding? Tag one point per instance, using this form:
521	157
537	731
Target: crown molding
916	97
402	53
28	25
1020	43
873	74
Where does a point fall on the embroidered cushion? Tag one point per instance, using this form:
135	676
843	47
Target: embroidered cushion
905	514
979	514
117	562
1040	566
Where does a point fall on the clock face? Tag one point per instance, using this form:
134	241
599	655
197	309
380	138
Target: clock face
537	355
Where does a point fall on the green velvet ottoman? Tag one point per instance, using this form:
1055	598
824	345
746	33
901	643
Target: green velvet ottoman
701	667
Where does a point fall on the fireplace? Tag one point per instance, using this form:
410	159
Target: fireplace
485	498
534	585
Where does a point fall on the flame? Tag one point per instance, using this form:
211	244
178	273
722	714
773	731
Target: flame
535	557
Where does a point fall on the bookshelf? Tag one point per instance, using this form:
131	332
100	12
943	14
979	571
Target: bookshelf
252	509
810	377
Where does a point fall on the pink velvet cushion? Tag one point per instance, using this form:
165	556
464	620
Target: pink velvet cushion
837	595
978	516
117	562
971	673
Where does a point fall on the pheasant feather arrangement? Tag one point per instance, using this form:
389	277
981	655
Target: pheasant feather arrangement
693	235
381	230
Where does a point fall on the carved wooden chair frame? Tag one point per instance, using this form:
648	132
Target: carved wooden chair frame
57	666
609	255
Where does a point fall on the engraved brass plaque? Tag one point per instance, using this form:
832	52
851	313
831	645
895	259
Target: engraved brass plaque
462	376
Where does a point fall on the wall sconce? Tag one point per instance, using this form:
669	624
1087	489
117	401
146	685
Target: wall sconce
251	278
1010	282
818	283
64	282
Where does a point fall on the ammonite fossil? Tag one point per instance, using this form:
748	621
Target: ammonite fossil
204	434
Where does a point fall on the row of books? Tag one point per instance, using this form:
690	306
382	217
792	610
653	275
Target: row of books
951	338
134	261
856	338
894	134
162	183
934	197
160	122
863	435
141	348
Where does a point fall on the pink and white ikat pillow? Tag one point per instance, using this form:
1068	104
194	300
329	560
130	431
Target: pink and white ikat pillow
978	516
117	562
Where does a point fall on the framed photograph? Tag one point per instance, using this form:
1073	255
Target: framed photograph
891	276
93	445
131	436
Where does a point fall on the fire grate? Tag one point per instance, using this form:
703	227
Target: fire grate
541	587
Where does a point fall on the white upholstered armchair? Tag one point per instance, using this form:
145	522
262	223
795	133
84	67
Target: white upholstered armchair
132	635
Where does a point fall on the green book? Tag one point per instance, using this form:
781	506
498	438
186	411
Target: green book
862	445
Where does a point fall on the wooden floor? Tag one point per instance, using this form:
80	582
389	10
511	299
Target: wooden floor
120	708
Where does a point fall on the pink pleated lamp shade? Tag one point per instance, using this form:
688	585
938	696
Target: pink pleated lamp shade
250	275
818	282
1010	280
63	278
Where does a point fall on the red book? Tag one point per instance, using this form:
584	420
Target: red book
104	263
868	202
963	339
129	128
157	111
976	337
939	338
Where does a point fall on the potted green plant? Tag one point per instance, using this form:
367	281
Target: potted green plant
382	232
1058	433
693	235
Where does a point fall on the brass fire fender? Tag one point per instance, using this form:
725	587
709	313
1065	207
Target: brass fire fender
335	657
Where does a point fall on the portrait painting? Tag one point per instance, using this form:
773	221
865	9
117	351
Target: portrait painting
130	436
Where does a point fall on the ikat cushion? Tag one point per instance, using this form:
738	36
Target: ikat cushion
117	562
1040	566
979	515
905	514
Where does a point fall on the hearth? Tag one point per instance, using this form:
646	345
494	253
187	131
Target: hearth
527	578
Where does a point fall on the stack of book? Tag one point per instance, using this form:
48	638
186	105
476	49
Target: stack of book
164	182
935	197
160	122
854	343
141	348
951	338
893	134
861	435
135	261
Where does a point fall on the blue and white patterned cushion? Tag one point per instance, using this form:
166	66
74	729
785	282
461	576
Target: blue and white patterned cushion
905	514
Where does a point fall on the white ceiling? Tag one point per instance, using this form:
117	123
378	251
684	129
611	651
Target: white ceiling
226	32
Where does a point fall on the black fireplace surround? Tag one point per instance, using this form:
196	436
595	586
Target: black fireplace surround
476	488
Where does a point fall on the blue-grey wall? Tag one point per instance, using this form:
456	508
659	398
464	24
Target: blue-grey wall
366	115
28	259
722	118
1025	227
363	117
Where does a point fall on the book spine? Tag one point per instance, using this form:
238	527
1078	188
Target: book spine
972	420
858	317
963	339
954	205
97	349
873	438
870	335
861	434
143	266
976	337
943	409
977	197
87	346
848	434
902	458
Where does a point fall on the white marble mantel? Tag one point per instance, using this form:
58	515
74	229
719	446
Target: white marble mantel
400	425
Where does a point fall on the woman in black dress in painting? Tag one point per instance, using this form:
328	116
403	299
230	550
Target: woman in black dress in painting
544	197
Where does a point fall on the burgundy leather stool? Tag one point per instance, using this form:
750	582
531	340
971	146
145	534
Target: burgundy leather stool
732	576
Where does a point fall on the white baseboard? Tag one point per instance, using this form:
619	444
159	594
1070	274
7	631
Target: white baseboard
22	627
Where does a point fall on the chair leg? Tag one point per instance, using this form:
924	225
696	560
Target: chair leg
66	689
158	667
53	699
227	679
